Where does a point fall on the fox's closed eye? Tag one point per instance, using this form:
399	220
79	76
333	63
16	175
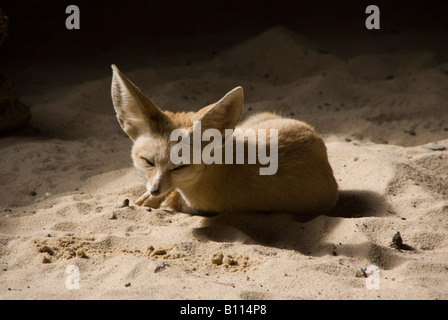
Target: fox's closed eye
148	162
179	167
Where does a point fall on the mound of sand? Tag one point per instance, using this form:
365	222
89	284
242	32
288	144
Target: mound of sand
62	192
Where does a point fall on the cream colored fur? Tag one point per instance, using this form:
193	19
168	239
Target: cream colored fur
303	184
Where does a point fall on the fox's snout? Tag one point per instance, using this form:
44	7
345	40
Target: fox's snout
158	184
154	192
153	189
154	184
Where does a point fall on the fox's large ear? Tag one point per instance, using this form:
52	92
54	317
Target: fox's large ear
225	113
136	113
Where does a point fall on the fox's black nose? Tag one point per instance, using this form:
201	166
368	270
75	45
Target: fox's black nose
155	192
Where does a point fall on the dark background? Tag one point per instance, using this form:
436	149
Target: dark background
136	34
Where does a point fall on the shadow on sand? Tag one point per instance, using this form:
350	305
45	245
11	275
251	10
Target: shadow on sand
299	233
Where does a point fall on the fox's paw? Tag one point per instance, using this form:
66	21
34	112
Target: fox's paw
149	201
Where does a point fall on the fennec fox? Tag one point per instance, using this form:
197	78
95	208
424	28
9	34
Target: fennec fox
303	182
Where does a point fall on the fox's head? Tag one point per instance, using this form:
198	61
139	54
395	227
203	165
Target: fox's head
150	129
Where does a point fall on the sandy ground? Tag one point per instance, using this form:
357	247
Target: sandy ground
61	191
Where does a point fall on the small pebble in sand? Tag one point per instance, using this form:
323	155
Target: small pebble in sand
127	285
217	259
361	273
159	266
46	260
160	252
46	249
125	203
231	261
435	147
45	196
82	254
397	243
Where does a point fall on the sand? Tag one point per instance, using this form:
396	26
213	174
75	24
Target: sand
62	190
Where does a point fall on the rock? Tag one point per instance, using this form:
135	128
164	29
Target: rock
231	261
160	252
397	243
46	249
125	204
361	273
82	254
433	146
159	266
217	259
46	260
